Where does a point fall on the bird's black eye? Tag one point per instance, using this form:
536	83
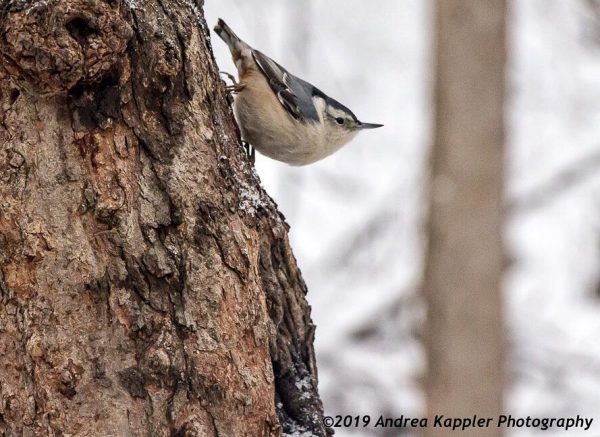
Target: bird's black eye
339	120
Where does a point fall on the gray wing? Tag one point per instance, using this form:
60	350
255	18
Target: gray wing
293	93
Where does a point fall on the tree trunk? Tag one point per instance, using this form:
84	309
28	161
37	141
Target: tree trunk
465	257
147	286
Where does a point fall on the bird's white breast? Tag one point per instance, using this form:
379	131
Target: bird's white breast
274	132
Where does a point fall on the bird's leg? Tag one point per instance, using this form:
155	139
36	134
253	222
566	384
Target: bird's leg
236	87
230	76
250	152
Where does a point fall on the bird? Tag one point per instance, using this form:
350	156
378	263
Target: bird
282	116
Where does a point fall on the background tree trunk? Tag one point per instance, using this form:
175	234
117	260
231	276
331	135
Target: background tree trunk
146	281
465	257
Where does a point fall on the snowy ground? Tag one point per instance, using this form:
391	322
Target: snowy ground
357	216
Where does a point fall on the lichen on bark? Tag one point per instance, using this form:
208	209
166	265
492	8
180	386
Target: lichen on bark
147	286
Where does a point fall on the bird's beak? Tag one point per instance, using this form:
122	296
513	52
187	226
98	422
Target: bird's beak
369	125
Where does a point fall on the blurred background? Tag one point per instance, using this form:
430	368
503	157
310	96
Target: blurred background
358	217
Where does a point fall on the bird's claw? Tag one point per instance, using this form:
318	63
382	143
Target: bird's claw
230	76
250	152
235	88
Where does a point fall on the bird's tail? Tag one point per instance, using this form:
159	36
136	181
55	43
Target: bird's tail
236	45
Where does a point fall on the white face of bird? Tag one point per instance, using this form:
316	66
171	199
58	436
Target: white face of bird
341	119
340	125
345	123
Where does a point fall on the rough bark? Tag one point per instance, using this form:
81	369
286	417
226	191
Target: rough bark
465	257
147	286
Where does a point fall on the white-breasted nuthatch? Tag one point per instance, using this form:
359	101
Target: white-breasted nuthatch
281	115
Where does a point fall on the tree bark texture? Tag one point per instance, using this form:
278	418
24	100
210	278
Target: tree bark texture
465	257
147	286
